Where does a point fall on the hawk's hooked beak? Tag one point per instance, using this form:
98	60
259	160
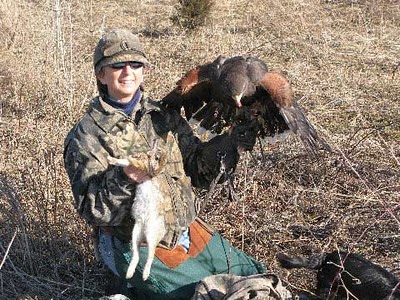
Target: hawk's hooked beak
237	99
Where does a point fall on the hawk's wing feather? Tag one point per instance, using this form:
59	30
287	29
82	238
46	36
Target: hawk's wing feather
281	94
191	101
192	90
215	116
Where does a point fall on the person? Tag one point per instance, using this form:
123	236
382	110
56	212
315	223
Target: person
103	193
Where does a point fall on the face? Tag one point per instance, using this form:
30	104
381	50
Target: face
122	80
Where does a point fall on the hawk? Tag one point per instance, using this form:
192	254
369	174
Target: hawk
242	95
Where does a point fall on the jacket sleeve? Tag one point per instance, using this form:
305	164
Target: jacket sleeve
103	194
202	159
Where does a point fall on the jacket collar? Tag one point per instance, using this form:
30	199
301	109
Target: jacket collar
107	117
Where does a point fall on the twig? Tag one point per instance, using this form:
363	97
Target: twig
298	288
261	45
367	134
339	275
8	249
390	150
351	167
396	67
381	201
391	297
347	290
83	278
244	196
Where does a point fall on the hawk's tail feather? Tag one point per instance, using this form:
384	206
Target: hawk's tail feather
299	124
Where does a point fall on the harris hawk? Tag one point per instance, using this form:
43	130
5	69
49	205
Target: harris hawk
242	95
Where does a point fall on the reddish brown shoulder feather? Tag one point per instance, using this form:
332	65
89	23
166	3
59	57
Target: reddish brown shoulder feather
278	86
189	80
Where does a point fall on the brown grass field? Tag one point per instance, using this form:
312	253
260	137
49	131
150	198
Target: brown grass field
343	59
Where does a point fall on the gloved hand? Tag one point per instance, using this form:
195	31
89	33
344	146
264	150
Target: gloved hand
221	147
209	156
244	133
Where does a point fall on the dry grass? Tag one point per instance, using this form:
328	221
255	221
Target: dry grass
343	59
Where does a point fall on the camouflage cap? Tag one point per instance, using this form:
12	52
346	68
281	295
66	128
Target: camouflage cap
118	45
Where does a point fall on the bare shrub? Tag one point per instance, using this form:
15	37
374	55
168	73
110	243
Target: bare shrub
191	14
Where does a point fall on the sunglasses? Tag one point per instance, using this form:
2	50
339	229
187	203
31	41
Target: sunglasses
132	64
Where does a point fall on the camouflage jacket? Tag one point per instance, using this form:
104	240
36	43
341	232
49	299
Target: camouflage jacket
104	194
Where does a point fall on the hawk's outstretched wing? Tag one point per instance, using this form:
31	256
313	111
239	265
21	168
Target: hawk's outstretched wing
241	95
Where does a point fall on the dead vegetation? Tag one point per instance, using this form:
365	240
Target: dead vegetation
343	60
